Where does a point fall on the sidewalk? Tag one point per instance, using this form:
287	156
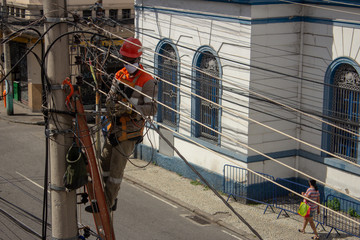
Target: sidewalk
197	198
22	114
203	201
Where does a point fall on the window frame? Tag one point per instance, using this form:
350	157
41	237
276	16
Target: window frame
195	101
328	103
157	60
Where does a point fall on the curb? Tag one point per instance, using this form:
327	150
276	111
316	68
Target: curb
40	123
197	211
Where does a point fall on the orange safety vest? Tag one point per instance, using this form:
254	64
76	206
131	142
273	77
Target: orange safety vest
137	81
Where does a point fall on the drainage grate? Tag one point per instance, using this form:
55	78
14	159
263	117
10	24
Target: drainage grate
198	220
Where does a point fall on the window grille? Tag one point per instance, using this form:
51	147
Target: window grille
345	111
207	86
168	70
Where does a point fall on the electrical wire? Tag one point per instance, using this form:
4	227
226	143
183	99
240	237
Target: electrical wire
244	63
11	230
285	165
194	170
325	8
253	120
21	189
245	89
256	173
240	143
204	180
19	223
206	183
25	212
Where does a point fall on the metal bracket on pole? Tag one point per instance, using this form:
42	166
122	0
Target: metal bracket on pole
57	87
53	132
55	20
57	188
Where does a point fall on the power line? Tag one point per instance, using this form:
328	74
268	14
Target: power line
330	154
257	94
292	108
245	145
19	223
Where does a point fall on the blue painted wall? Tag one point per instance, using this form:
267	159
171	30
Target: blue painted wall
176	164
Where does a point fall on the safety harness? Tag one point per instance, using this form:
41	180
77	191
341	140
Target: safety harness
125	118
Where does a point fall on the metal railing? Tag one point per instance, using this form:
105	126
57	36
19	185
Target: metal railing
351	209
240	183
289	202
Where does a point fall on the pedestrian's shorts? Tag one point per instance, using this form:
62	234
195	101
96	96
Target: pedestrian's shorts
312	213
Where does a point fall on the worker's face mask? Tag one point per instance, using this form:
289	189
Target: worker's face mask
131	68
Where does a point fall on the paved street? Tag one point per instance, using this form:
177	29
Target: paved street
141	213
153	203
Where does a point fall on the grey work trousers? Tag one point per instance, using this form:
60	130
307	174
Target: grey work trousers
113	161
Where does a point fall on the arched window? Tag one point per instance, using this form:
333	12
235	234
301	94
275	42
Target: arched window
207	85
167	70
343	105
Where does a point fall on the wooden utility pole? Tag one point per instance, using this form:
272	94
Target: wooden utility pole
63	203
7	62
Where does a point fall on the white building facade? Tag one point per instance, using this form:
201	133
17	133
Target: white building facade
254	84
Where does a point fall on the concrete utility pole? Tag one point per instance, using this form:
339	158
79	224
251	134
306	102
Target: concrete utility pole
63	203
7	62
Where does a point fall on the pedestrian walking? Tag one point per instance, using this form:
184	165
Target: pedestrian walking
312	193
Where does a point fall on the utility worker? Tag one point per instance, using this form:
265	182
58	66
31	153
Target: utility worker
126	125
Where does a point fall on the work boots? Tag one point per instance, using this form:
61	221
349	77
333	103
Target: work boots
95	208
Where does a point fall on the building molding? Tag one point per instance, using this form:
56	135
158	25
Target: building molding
252	21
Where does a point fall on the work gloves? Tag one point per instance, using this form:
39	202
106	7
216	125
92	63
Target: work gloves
117	109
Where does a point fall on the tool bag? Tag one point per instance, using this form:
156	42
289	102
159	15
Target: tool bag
76	174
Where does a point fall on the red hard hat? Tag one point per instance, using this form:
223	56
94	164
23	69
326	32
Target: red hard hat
131	48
